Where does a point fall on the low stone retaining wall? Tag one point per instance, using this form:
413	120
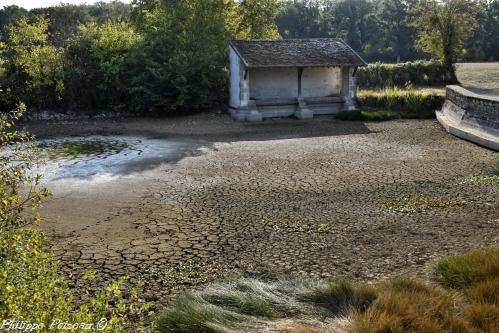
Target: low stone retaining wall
471	116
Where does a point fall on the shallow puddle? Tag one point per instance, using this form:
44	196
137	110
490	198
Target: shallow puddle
71	150
105	156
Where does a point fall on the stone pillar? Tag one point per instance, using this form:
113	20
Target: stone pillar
244	92
348	88
303	112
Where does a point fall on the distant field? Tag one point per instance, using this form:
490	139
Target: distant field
479	75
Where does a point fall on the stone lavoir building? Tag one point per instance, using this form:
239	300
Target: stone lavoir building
291	77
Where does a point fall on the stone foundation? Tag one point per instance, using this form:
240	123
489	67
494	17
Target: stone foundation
471	116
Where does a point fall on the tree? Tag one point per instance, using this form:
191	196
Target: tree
108	46
182	62
397	34
34	68
300	19
444	26
352	20
259	18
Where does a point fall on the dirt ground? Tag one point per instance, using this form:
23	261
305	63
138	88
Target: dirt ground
277	197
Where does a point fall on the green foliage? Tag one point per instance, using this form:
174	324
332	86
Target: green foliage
237	303
465	270
191	314
33	290
19	188
444	27
259	19
34	67
98	54
490	179
181	64
379	75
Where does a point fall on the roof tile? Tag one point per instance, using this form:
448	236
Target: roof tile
317	52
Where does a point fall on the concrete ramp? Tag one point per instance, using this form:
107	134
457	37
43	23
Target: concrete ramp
471	116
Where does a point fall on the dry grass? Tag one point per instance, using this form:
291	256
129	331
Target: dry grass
410	306
465	270
481	75
467	300
484	292
482	317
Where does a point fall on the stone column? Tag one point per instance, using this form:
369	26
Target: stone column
249	109
348	89
244	91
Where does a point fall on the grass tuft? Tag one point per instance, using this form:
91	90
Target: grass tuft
191	314
462	271
341	296
483	317
486	291
409	307
399	305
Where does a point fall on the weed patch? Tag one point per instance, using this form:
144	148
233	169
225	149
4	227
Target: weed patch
493	178
415	203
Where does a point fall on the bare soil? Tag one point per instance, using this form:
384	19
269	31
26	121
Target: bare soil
277	197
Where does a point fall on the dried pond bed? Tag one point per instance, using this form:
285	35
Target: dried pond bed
280	197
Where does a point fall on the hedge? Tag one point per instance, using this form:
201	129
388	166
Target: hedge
422	72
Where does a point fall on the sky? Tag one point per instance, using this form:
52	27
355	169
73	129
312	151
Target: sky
29	4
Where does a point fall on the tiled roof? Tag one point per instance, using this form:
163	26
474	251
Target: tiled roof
319	52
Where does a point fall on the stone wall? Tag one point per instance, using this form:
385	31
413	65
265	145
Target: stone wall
475	109
471	116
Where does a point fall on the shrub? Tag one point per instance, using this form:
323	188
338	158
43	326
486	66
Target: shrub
379	75
462	271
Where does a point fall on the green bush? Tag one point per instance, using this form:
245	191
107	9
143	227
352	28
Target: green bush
379	75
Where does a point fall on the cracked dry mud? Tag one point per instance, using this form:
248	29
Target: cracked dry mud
280	197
